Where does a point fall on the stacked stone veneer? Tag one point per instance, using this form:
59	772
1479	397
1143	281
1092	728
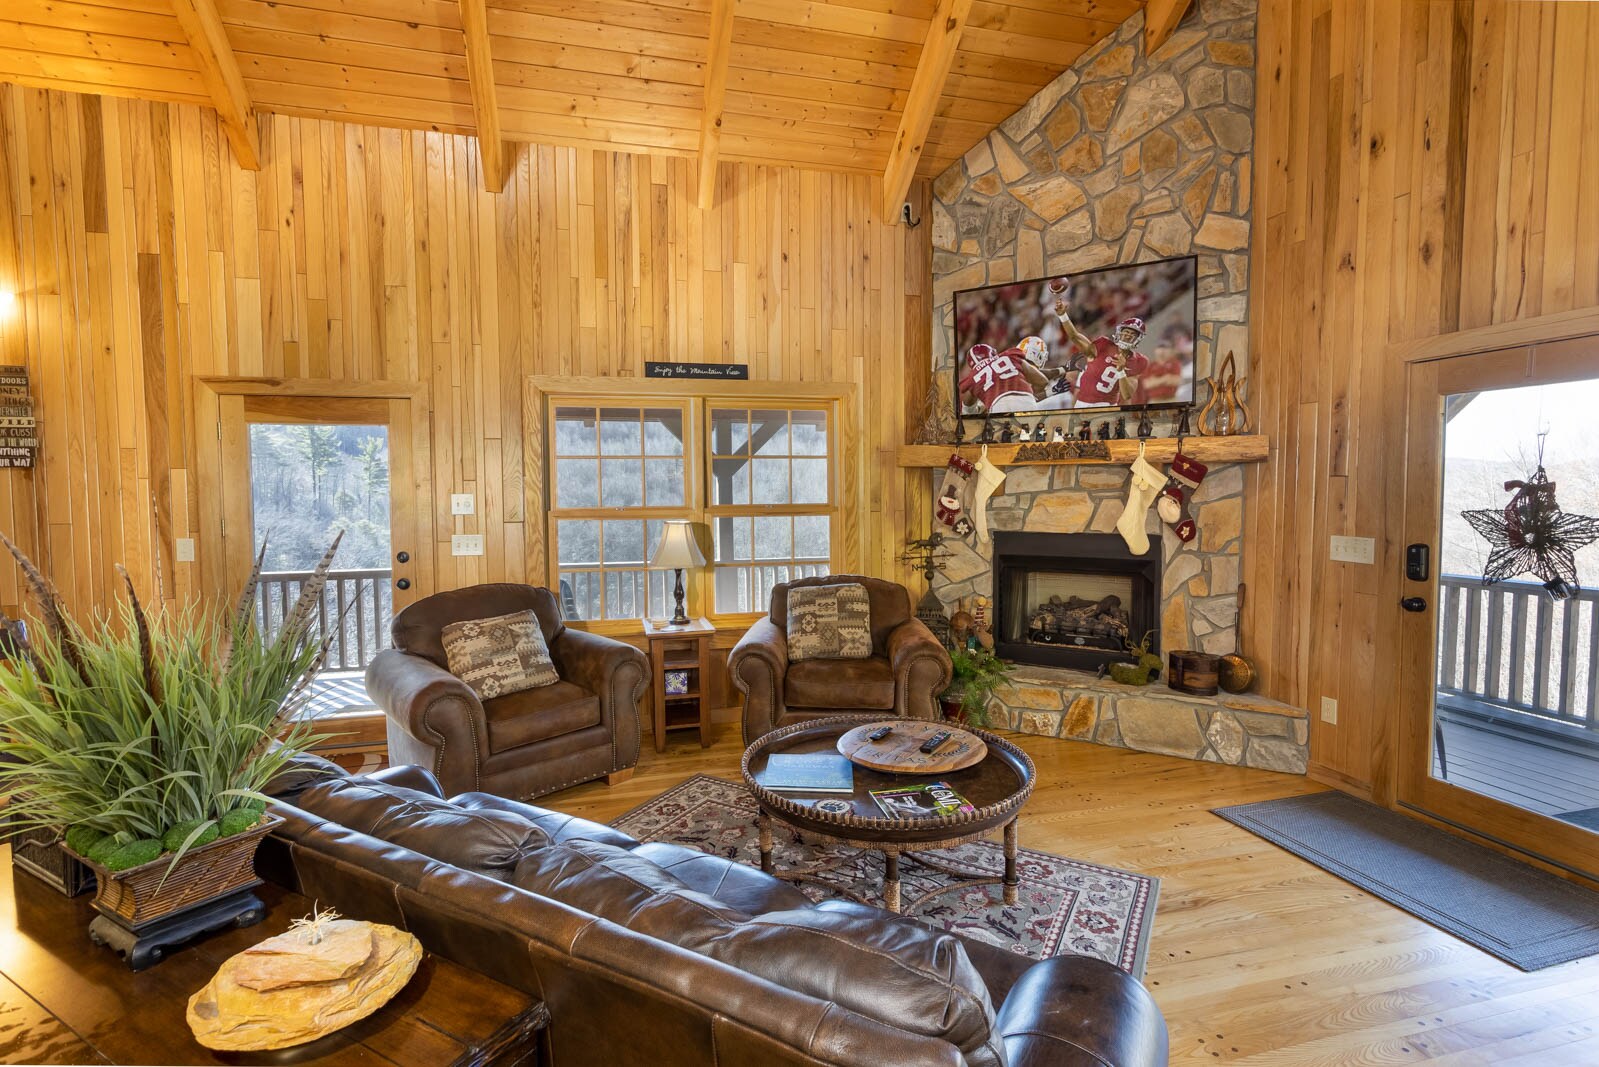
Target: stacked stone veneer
1124	157
1241	730
1199	580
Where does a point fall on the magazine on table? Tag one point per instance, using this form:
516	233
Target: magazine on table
927	801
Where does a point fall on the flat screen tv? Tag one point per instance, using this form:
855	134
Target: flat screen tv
1111	338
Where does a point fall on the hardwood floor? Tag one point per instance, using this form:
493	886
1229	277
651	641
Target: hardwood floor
1258	957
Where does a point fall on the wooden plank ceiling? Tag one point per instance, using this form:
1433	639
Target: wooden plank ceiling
806	82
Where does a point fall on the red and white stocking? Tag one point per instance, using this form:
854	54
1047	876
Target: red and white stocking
950	506
1173	506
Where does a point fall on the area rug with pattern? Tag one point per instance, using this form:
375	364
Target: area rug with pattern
1065	906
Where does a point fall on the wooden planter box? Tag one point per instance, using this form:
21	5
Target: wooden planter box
145	910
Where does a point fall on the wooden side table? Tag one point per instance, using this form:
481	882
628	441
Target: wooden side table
685	653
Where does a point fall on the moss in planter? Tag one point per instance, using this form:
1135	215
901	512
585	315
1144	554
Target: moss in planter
133	854
81	839
101	850
239	820
173	839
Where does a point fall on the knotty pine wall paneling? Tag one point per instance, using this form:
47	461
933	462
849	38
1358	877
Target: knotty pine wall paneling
1422	168
144	258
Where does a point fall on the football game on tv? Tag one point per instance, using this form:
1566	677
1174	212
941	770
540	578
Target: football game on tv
1112	338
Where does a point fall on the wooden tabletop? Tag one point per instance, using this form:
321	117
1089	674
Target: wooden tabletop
65	1000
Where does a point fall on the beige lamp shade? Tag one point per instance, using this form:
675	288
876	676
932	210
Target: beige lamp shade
678	549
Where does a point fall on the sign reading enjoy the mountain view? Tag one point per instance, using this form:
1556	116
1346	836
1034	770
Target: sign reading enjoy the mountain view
727	371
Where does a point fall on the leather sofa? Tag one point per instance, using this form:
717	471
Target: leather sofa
524	744
907	670
662	956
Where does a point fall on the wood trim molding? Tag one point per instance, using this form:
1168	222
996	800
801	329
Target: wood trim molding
1160	22
1578	322
219	71
597	385
227	385
927	87
492	149
718	48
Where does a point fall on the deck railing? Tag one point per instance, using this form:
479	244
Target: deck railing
364	599
1507	647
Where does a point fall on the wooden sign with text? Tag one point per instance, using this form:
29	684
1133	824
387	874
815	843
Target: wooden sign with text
19	430
739	372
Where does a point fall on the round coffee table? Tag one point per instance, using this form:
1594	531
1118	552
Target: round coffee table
997	787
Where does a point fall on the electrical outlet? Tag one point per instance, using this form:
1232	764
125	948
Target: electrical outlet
183	548
461	504
1353	549
466	545
1329	711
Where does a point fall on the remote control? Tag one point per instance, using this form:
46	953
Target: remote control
931	744
880	733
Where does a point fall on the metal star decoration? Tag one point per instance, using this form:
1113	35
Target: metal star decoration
1531	535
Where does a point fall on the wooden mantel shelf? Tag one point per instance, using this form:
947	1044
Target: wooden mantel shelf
1243	448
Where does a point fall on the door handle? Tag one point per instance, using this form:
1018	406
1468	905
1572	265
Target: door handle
1414	603
403	583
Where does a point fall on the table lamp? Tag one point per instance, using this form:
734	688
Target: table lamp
677	550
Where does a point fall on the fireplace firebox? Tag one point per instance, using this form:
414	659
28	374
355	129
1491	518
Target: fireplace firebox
1073	600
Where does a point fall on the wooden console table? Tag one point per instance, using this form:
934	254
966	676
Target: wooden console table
75	1002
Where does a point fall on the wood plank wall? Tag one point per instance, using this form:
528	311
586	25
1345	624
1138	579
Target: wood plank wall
143	257
1422	167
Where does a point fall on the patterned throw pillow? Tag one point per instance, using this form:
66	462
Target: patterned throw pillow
829	622
505	654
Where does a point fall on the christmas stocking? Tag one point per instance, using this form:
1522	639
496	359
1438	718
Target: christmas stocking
987	481
1186	474
1142	488
950	505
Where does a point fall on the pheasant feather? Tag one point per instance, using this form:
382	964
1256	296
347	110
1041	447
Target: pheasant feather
55	620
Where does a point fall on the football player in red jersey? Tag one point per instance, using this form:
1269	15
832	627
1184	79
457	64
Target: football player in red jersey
1114	364
999	381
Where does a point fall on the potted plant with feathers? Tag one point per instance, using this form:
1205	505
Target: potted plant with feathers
145	739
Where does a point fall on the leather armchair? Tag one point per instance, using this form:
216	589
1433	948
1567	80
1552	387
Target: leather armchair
907	670
520	745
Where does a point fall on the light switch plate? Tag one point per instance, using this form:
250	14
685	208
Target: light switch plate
466	545
461	504
1329	710
183	547
1353	549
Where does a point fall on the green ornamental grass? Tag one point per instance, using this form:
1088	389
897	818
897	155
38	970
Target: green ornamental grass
147	734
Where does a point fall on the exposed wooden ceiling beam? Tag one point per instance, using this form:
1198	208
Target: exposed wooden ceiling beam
492	149
219	71
1160	21
717	50
927	87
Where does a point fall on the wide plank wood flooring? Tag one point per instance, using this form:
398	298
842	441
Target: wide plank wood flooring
1257	956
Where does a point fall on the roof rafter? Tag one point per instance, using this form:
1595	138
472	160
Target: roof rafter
718	48
927	87
219	71
491	146
1160	22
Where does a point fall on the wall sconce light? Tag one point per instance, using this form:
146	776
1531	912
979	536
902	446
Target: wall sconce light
8	301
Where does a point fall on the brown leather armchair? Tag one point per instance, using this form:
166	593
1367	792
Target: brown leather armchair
519	745
907	670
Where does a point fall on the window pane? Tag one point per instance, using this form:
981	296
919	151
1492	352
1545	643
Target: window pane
575	485
769	432
623	481
732	539
810	433
578	542
663	433
730	481
730	433
771	480
812	537
624	542
652	536
773	537
732	590
663	482
619	432
580	594
574	432
659	602
810	481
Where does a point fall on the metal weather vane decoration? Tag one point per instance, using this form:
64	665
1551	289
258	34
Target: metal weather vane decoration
1531	535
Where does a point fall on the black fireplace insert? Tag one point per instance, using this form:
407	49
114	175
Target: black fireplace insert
1073	600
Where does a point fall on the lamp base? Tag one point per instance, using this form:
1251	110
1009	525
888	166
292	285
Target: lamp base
679	618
